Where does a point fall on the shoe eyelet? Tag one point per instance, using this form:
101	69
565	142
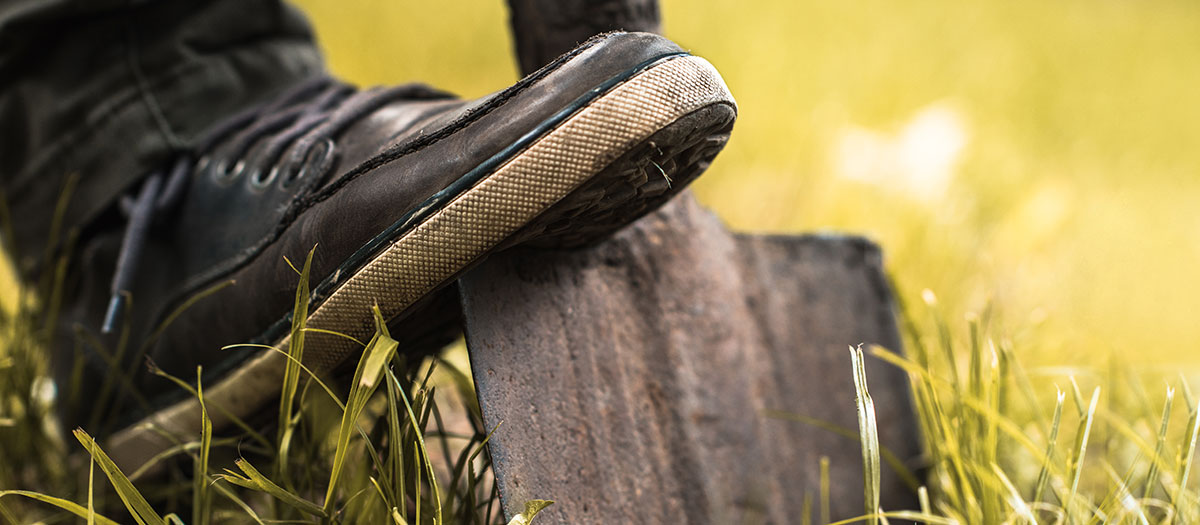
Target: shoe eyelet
258	181
318	159
222	173
202	164
285	176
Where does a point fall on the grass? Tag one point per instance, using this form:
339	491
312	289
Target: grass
381	454
1063	215
1002	451
998	449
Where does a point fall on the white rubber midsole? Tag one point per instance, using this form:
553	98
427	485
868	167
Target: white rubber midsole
434	251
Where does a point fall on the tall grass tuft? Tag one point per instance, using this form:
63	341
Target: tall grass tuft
996	450
363	458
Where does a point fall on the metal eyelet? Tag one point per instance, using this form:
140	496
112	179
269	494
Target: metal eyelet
258	181
285	175
222	174
202	164
317	159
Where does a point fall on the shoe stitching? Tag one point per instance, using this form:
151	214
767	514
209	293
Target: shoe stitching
303	202
401	150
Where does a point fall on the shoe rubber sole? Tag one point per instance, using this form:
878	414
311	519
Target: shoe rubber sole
615	159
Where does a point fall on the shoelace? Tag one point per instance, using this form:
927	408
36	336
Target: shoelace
294	125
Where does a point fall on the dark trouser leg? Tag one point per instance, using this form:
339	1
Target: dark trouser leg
103	91
95	94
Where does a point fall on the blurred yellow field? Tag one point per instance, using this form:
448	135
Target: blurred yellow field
1036	154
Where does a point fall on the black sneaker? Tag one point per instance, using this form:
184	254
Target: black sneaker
400	190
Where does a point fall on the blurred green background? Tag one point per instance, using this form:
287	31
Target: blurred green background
1040	156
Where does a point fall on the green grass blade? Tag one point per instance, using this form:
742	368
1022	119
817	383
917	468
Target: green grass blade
466	392
466	461
248	429
1026	387
869	434
1081	443
1187	391
141	510
311	330
825	488
1189	450
377	355
1044	472
383	497
201	499
396	445
175	450
291	374
1013	496
894	461
255	480
57	218
1122	498
1123	427
224	491
91	506
311	376
423	455
417	483
900	515
532	508
806	509
69	506
183	307
945	341
1078	396
1003	423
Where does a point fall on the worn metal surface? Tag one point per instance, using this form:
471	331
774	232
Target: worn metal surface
632	377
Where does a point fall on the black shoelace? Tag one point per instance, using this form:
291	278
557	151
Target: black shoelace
299	127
